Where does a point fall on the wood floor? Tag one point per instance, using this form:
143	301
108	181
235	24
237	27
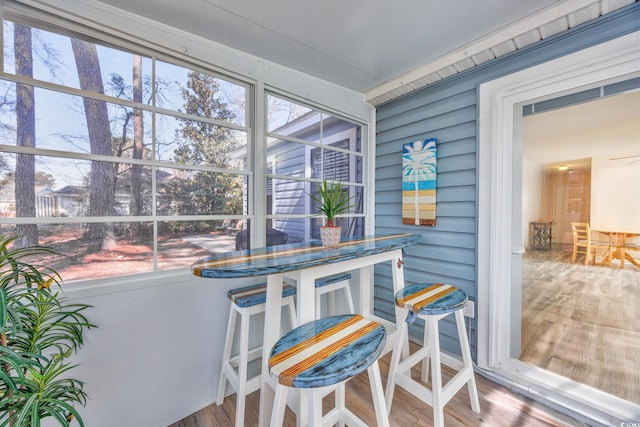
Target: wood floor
582	322
498	408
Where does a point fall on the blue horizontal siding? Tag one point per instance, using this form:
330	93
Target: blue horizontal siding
447	110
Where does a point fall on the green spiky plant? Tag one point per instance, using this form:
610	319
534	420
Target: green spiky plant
333	200
39	330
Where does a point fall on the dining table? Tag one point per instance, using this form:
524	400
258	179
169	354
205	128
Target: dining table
304	262
621	246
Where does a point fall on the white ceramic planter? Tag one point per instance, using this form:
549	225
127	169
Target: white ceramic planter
330	236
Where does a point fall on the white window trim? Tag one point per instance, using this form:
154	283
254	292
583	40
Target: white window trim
499	124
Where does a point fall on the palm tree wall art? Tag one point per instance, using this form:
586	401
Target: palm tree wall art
419	167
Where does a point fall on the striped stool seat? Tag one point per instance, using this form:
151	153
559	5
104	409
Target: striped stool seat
429	299
246	302
330	285
256	294
328	352
431	302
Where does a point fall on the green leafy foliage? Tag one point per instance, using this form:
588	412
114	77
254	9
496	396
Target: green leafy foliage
39	330
333	200
200	142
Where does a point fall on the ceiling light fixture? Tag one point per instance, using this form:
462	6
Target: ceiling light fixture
563	167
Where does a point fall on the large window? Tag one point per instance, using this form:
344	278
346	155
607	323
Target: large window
304	147
129	161
124	162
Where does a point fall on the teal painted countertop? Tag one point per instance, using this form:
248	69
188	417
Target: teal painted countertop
296	256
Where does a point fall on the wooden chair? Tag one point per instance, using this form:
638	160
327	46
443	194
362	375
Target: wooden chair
224	226
237	227
583	242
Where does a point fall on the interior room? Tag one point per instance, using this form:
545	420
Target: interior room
583	181
219	213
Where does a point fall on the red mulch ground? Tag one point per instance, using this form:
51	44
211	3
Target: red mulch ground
128	257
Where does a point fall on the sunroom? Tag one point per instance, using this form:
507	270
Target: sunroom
139	138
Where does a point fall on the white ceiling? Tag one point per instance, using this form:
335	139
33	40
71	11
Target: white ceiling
363	44
607	128
358	44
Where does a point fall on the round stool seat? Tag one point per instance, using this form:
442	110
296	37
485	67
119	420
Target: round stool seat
326	351
431	298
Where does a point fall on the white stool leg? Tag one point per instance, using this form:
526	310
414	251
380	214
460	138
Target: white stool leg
468	363
348	296
319	305
226	354
331	303
279	406
401	336
375	381
293	319
243	362
436	372
313	397
340	402
424	373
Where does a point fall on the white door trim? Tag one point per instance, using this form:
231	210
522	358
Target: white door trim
500	116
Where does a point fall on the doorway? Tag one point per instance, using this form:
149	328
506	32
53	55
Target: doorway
501	248
579	316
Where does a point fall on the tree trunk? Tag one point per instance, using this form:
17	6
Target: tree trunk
136	200
25	194
102	179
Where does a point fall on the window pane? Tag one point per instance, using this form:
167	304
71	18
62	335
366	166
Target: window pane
281	112
57	58
289	197
287	158
297	122
62	187
200	94
133	254
336	165
335	129
185	192
181	243
292	198
192	142
60	123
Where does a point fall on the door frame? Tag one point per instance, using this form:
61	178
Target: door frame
500	249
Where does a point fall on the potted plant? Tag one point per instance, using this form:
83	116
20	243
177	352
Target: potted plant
333	200
39	330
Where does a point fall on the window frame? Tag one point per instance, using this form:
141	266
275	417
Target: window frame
326	143
153	163
172	46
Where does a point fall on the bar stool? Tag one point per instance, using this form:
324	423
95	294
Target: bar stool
246	302
330	285
432	302
325	354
